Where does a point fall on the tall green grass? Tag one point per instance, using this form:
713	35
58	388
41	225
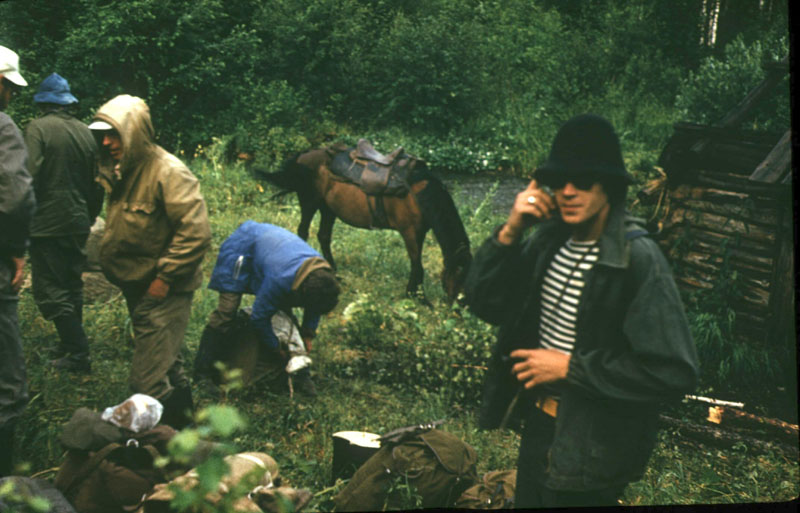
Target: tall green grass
381	361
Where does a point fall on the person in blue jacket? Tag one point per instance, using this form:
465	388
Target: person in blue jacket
283	272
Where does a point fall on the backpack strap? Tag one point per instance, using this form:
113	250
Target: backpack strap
635	234
89	467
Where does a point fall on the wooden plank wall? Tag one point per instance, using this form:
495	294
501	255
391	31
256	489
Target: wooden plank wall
721	223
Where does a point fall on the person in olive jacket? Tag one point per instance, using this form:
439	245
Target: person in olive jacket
156	235
593	335
62	158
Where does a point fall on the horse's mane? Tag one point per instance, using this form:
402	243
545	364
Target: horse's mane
292	175
441	213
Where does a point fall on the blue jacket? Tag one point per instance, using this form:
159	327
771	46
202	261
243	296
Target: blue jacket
269	257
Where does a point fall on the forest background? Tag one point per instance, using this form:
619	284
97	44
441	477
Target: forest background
471	86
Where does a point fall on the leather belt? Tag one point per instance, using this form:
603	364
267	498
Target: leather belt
548	405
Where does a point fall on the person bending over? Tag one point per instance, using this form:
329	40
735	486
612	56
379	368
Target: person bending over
283	272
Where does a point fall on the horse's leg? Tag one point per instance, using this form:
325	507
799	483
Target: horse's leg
325	233
308	207
414	239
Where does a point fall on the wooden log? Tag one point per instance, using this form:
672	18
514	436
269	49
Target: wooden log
699	192
715	402
761	267
734	416
720	224
739	203
747	298
752	302
726	438
671	236
738	183
778	164
766	217
755	277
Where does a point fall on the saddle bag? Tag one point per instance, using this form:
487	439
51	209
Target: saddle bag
436	463
495	491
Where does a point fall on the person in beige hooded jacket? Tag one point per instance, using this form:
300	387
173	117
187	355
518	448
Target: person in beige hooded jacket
156	235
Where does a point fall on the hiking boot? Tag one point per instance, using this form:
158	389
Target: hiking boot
211	349
73	363
302	383
178	408
71	334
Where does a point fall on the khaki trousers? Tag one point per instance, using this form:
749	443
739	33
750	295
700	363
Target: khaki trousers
159	326
225	313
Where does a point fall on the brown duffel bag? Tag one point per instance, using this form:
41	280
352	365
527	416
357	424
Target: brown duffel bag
116	477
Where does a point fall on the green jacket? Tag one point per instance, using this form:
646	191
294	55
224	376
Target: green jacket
633	348
62	158
156	218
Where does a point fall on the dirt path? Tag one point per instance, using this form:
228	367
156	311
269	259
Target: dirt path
472	190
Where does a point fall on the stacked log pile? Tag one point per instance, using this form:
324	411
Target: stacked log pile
714	220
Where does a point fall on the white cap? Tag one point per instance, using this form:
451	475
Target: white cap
9	66
100	125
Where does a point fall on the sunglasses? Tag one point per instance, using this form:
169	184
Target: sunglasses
580	182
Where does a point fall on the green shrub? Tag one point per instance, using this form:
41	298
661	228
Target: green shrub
720	84
397	345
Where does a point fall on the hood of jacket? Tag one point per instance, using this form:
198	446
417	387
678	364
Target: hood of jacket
130	117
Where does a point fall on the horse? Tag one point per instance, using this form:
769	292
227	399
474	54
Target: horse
427	205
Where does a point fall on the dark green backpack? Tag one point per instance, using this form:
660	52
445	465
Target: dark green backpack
436	463
495	491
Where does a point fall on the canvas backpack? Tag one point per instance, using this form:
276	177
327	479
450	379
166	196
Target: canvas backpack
438	464
115	477
494	491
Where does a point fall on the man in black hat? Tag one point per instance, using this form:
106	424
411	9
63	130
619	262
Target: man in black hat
62	161
593	334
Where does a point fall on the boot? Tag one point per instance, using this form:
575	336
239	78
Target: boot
6	449
74	344
178	408
210	350
302	384
79	363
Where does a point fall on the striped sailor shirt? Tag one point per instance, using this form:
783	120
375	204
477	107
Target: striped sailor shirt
561	294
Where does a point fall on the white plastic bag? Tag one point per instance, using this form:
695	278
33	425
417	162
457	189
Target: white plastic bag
137	413
287	333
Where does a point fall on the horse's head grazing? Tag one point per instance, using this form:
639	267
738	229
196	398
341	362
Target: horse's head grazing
455	272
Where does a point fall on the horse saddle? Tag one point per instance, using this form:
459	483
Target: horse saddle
372	171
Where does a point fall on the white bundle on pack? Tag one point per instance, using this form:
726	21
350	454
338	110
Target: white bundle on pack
137	413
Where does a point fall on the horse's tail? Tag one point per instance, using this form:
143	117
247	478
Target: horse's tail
292	176
441	214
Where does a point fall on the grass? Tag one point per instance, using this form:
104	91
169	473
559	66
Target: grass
380	361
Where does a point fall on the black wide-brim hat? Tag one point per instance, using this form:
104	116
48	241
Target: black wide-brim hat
585	145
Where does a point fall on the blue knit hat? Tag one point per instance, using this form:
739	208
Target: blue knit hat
54	89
